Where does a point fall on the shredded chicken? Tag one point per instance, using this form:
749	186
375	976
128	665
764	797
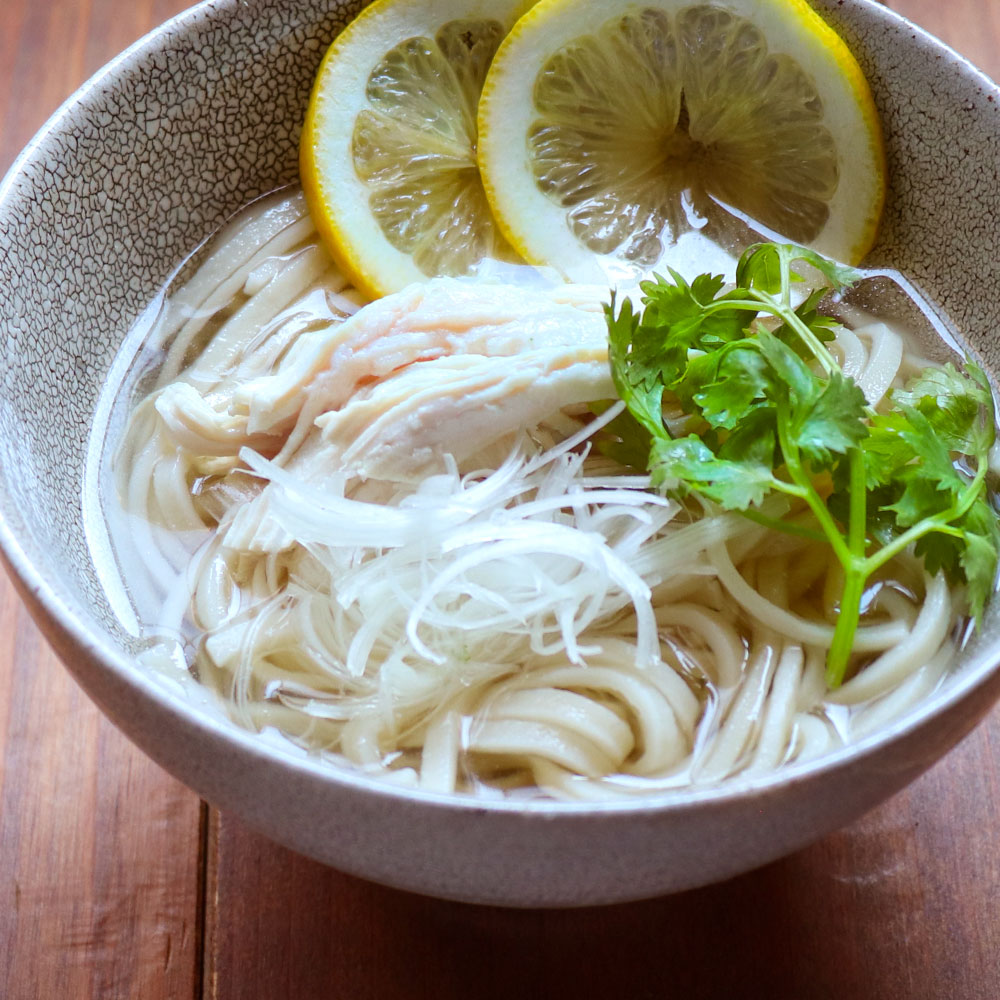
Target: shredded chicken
443	368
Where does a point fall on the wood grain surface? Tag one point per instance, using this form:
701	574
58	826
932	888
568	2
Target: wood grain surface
115	882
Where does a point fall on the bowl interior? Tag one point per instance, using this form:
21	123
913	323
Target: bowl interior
203	116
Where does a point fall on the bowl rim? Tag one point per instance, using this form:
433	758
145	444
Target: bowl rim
47	606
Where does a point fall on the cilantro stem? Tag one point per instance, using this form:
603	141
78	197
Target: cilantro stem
858	515
847	624
939	523
860	569
787	315
856	574
785	271
807	492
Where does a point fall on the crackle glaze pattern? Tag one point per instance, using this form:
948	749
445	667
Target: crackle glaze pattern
942	128
146	162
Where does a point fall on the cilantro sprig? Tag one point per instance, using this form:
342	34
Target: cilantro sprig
768	410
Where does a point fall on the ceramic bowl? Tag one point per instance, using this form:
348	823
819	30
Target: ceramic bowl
147	160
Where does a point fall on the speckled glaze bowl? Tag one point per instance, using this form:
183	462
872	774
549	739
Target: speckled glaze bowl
147	160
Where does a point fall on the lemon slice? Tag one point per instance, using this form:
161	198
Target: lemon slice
388	150
622	136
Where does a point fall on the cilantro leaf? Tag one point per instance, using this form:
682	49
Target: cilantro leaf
754	439
775	412
641	394
687	463
794	379
831	424
887	451
953	403
979	554
922	497
932	459
680	308
760	268
979	564
727	385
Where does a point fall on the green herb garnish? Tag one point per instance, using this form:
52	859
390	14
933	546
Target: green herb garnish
769	410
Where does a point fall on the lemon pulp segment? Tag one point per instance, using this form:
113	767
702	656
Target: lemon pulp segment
415	148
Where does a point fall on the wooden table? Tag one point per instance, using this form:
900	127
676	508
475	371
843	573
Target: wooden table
116	882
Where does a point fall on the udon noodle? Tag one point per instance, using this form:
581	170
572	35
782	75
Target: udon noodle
359	539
